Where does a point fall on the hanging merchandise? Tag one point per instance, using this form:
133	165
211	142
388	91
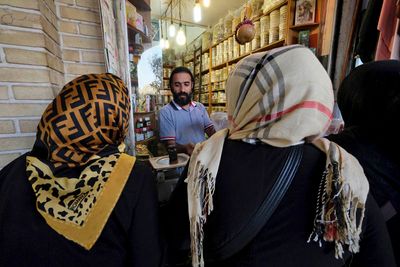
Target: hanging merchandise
245	30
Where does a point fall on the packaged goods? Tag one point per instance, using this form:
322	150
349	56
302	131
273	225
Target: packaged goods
247	48
256	7
282	21
242	50
255	44
206	40
228	24
139	22
218	32
130	14
236	50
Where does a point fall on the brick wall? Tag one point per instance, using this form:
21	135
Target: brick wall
43	45
80	32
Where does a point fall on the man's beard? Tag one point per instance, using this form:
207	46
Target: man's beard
182	99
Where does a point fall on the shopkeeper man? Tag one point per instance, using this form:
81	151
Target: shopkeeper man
183	122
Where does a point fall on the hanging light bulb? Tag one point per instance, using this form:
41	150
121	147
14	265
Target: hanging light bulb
206	3
197	12
180	37
162	43
171	30
166	43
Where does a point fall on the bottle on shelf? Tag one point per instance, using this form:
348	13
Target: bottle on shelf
139	134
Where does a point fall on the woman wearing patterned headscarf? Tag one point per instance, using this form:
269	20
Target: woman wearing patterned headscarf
369	99
77	199
279	104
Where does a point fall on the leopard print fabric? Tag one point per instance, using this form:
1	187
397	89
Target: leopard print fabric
73	205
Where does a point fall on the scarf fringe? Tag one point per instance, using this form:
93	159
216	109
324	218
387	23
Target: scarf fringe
201	190
337	210
202	174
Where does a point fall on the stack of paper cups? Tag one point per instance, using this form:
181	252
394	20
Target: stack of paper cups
274	26
282	22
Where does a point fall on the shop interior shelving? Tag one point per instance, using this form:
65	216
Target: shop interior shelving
165	92
290	37
143	8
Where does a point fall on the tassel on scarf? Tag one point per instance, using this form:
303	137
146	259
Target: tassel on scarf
338	207
203	168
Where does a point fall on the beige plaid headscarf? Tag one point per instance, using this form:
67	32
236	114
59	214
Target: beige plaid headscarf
282	97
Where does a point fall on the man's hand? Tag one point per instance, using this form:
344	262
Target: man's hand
189	148
210	131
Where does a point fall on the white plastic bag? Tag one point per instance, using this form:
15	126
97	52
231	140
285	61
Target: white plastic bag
337	123
220	120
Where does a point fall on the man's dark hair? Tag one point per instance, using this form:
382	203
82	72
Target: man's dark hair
179	70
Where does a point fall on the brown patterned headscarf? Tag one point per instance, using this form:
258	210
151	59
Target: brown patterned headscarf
90	114
77	169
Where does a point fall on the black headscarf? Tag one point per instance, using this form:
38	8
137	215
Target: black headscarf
369	97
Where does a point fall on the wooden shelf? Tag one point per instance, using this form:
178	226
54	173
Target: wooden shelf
188	61
220	42
304	26
137	46
146	140
204	71
143	113
273	45
141	5
166	92
276	6
145	38
290	37
238	58
220	66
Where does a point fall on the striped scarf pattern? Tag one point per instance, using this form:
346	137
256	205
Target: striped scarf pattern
281	97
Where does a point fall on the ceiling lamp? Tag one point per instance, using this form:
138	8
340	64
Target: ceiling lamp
162	41
206	3
166	43
197	11
180	37
171	29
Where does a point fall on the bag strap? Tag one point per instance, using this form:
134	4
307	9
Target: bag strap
267	208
